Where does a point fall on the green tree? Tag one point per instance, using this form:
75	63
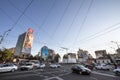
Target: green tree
65	56
57	56
6	55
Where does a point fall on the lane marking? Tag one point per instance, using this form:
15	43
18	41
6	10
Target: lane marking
103	74
56	77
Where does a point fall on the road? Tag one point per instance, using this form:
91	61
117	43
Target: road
63	73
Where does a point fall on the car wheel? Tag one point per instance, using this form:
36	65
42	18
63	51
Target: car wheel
80	72
117	73
13	70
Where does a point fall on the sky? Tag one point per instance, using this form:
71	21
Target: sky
86	24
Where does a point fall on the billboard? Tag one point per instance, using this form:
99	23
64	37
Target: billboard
101	53
28	41
44	52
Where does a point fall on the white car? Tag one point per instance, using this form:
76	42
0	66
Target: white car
27	66
8	67
117	71
53	66
36	63
42	65
58	65
103	67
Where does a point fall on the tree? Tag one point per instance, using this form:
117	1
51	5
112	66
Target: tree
49	58
65	56
6	55
31	57
57	56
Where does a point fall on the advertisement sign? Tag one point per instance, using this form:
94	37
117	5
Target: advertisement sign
28	41
44	52
101	53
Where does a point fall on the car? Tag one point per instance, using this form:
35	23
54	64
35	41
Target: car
42	65
36	63
8	67
53	66
103	67
117	71
80	69
27	66
89	66
58	65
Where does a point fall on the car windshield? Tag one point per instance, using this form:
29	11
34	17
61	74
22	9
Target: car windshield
81	66
28	64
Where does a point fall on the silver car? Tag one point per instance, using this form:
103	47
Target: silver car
27	66
117	71
8	67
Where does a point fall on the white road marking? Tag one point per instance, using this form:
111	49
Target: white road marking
64	74
103	74
56	77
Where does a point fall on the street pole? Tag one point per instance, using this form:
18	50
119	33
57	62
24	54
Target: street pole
4	34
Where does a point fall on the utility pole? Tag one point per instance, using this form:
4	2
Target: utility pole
4	34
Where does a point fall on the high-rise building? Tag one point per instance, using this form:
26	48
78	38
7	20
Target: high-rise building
24	43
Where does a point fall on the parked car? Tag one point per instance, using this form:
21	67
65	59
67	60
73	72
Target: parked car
8	67
103	67
117	71
42	65
36	63
80	69
27	66
58	65
53	66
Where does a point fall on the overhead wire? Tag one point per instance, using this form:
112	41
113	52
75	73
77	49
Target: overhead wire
4	35
64	12
50	9
66	34
5	13
97	33
41	26
22	14
102	34
84	20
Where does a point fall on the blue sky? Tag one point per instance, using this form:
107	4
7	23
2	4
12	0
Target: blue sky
87	24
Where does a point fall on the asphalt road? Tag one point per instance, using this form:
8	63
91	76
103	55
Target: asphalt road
63	73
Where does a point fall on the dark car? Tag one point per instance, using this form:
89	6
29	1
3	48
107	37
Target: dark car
80	69
89	67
